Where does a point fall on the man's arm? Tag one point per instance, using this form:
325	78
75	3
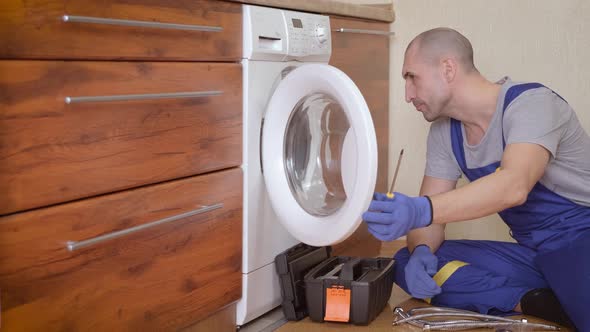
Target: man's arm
432	235
523	164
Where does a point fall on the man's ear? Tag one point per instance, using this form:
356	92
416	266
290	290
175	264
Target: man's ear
449	68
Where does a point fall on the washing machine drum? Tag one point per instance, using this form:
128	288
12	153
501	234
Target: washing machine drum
319	154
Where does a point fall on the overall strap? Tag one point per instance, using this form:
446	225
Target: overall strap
456	131
457	134
513	92
516	90
457	144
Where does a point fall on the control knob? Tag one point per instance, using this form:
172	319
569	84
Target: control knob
321	33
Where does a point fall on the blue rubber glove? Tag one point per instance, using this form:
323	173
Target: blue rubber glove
419	271
390	218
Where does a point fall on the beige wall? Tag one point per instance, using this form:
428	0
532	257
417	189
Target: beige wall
530	40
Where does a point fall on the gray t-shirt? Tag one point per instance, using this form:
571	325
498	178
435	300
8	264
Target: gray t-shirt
537	116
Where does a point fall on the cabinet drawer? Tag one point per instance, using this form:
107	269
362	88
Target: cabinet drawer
120	29
159	278
53	152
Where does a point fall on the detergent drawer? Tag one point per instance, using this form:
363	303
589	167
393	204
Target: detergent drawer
156	258
197	30
77	129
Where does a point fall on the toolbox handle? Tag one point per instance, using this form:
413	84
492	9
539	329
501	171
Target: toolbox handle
349	268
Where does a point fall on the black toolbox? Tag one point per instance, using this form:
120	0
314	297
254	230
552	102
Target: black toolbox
325	288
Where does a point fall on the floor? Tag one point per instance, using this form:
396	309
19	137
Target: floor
275	321
271	321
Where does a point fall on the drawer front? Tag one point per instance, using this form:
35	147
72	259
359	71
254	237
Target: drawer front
54	152
120	29
159	278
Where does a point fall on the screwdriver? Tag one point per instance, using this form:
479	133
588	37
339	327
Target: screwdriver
399	160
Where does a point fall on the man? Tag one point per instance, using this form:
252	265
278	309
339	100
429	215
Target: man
527	157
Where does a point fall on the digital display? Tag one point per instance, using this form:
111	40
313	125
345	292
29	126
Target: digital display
297	23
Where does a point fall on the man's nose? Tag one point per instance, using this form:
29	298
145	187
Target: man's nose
410	93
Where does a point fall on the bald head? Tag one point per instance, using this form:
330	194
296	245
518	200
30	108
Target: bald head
439	43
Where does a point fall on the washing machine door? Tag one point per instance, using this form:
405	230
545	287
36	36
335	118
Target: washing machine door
319	154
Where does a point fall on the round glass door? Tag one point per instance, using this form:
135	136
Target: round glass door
319	154
313	146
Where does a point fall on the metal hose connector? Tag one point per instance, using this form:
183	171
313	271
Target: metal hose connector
433	318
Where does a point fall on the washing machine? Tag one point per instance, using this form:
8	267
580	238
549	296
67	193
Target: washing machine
310	152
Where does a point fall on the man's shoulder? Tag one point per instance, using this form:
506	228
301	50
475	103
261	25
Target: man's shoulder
526	92
539	100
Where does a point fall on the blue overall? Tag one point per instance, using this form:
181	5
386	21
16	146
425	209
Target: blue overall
553	250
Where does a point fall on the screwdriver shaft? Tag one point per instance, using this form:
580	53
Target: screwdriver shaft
399	160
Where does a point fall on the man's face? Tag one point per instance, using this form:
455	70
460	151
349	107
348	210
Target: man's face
425	85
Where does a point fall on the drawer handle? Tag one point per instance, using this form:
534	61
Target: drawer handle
75	245
71	100
143	24
368	32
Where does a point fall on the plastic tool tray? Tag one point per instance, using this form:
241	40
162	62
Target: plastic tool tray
340	288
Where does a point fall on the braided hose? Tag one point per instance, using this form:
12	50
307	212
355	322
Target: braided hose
464	320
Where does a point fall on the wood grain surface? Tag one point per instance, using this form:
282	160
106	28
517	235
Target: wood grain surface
365	59
53	152
158	279
361	9
34	29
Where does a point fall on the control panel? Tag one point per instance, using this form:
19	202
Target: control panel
283	35
309	34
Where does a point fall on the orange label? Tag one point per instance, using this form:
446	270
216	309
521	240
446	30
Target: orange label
337	304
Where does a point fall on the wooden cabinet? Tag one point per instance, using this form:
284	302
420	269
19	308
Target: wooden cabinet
120	147
174	257
364	57
53	151
204	30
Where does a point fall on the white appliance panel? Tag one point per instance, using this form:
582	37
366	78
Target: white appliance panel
264	236
260	294
280	35
309	36
265	34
